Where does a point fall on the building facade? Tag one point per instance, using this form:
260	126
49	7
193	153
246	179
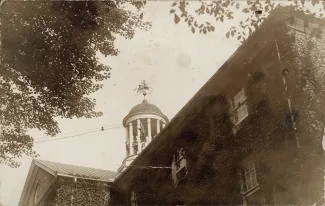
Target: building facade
56	184
253	133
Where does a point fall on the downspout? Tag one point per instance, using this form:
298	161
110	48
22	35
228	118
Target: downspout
274	194
288	97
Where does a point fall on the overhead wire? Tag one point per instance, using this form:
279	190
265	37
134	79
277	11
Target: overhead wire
114	126
98	129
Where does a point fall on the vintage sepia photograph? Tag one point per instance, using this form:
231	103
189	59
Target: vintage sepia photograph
162	102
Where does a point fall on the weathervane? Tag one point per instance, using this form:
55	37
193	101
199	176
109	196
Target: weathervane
143	89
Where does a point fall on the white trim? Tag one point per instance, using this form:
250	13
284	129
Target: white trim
84	178
235	108
44	167
249	159
145	116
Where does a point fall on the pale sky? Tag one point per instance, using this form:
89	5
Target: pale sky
175	62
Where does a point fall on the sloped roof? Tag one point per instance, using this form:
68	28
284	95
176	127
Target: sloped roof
78	171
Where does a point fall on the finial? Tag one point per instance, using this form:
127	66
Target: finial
143	89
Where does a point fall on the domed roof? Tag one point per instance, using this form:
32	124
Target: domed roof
144	108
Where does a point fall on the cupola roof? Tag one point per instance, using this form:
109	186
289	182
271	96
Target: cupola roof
144	108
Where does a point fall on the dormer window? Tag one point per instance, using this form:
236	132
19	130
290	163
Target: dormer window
239	107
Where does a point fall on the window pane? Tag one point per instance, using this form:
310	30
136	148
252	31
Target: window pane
249	185
242	112
240	97
249	176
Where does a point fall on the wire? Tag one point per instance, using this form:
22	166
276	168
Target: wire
40	140
114	126
86	130
48	140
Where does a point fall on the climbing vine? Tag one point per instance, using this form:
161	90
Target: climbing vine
83	193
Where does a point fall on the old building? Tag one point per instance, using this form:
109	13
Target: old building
55	184
251	135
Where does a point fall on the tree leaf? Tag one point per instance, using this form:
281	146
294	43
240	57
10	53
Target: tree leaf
237	5
212	28
193	30
141	16
176	19
314	2
246	10
172	11
174	4
204	31
227	34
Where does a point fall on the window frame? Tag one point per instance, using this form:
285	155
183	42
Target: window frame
179	156
180	169
247	167
237	105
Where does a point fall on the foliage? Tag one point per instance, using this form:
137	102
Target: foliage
49	65
222	10
84	193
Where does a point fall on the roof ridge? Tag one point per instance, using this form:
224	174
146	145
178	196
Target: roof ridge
73	165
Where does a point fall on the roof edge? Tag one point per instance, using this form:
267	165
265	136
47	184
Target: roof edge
85	178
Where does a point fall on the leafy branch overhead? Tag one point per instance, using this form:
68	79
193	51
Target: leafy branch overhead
221	10
49	66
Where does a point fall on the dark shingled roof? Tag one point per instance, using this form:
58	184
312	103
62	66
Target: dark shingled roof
78	171
145	108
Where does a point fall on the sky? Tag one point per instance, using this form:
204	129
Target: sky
175	63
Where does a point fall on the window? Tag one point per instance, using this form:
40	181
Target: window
180	160
249	180
179	164
296	23
134	198
239	105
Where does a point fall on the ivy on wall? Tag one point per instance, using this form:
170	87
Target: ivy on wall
213	151
85	193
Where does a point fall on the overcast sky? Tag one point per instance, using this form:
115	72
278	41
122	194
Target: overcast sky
175	62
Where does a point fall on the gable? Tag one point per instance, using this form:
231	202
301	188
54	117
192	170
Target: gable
41	185
38	182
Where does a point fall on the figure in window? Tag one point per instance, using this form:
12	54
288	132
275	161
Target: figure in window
142	133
